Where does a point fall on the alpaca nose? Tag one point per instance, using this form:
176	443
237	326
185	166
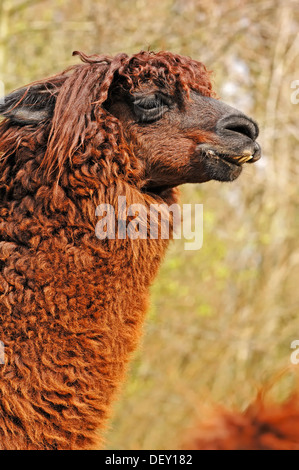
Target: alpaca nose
235	125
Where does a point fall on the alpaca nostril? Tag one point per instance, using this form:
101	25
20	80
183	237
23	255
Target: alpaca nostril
239	125
241	129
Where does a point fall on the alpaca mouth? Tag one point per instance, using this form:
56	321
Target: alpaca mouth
247	156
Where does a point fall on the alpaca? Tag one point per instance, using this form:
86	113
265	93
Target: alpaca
262	426
71	304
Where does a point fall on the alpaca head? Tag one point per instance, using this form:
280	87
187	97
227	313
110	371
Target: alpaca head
177	129
150	117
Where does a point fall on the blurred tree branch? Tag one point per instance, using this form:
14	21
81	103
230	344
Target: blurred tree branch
4	22
22	6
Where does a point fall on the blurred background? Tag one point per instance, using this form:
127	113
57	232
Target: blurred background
222	318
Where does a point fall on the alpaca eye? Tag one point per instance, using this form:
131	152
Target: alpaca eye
151	103
149	108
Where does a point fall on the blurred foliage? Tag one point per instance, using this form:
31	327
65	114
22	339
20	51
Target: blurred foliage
221	318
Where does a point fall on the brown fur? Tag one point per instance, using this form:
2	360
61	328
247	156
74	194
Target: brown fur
263	426
71	305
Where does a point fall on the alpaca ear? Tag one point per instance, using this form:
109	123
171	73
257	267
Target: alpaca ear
29	105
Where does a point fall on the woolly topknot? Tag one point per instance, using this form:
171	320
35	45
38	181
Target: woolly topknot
163	68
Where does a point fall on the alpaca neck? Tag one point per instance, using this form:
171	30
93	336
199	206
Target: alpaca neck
77	312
